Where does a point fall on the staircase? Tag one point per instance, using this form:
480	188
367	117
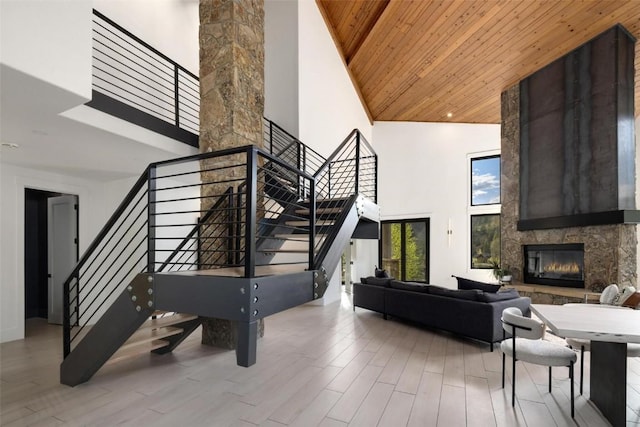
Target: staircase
238	234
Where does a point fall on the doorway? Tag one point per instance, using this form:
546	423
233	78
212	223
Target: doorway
404	249
42	243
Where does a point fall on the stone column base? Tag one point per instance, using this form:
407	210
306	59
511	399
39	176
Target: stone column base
223	333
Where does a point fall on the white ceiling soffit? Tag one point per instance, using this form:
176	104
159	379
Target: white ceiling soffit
55	132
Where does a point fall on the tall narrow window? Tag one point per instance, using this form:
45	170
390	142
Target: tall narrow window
404	249
485	180
485	240
484	211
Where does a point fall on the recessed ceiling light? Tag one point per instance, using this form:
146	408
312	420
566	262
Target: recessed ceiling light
449	115
9	145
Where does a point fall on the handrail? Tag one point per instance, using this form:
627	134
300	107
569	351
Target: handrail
143	179
296	140
97	240
143	43
134	81
336	152
228	152
148	231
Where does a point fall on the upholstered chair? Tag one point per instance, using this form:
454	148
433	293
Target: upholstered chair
526	344
633	350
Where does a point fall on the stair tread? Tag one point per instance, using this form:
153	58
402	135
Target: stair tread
288	251
319	211
125	353
147	335
261	270
167	320
306	223
299	237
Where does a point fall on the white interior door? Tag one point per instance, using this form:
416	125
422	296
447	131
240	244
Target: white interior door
63	254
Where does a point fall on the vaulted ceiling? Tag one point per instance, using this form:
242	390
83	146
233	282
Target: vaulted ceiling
421	60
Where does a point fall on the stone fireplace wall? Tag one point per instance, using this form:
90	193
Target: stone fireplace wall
610	250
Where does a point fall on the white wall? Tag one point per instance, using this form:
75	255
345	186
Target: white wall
13	181
170	26
424	173
329	105
42	27
281	63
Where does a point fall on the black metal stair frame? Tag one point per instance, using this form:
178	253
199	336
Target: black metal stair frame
195	234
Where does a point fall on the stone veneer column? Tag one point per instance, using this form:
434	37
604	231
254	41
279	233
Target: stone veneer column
231	104
610	250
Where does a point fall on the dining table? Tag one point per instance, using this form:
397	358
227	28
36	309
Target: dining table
609	329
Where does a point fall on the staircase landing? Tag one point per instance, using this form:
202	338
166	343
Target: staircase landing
261	271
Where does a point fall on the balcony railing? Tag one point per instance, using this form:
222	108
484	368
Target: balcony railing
135	82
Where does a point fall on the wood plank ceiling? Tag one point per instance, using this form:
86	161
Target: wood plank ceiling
420	60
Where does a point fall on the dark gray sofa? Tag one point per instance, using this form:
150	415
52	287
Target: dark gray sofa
471	313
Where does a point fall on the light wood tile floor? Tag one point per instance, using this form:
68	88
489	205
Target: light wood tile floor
317	366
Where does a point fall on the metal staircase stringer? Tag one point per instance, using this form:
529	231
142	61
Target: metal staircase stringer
130	310
360	213
244	300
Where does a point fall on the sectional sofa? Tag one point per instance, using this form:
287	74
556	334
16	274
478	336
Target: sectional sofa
474	310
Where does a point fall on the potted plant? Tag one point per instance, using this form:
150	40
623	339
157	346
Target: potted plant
502	274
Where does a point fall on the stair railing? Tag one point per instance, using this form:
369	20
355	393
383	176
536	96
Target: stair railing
288	148
351	170
195	212
136	82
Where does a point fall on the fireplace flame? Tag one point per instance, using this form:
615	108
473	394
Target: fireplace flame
556	267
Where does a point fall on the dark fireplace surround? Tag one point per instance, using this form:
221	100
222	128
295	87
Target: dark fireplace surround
554	265
577	140
568	163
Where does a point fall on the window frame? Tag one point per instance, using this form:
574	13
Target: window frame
473	159
470	253
481	209
403	258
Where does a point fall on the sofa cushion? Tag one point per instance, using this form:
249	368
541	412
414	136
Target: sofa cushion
503	295
375	281
381	274
466	294
409	286
473	284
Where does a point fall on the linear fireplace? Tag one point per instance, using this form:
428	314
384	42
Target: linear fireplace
555	265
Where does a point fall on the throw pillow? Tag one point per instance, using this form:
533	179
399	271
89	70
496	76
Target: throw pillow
381	274
609	294
377	281
409	286
624	294
466	294
473	284
503	295
632	301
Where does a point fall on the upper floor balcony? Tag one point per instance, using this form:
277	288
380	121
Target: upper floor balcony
135	82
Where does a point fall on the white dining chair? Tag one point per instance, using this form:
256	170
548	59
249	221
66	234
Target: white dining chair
633	350
526	344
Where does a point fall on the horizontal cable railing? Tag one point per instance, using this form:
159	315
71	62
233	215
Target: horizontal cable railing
128	70
206	211
288	148
351	170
